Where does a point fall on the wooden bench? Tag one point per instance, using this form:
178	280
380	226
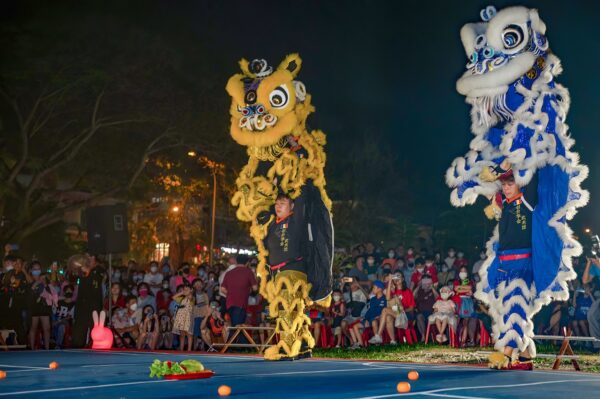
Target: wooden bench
246	330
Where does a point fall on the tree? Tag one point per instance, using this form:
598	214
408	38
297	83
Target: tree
82	113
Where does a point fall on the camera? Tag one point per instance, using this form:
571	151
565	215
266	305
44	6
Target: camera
595	245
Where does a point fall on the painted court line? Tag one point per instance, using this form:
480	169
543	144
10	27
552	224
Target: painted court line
439	391
441	395
23	367
83	387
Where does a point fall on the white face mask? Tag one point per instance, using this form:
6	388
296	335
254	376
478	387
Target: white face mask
370	262
336	298
420	269
410	252
483	256
390	254
460	255
133	307
462	275
154	269
451	254
166	286
445	295
9	268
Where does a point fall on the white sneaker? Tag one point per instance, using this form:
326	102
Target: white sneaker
356	345
393	343
376	339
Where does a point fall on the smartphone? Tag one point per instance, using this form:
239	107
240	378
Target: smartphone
347	279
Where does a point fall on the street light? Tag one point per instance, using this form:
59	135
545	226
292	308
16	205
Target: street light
175	209
587	230
192	153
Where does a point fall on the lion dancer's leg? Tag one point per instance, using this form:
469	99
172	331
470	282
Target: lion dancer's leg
512	310
287	294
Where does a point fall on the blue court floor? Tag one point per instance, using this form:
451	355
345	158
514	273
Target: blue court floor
90	374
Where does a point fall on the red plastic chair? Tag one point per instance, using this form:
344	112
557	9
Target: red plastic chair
484	336
451	335
407	335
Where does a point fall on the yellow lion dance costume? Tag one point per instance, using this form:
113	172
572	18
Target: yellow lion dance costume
268	111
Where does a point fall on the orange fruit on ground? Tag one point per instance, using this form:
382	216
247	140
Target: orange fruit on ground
413	375
403	387
2	375
224	390
53	365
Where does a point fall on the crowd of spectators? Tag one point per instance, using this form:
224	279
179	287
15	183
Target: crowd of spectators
159	306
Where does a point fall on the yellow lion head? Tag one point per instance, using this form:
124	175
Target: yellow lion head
267	105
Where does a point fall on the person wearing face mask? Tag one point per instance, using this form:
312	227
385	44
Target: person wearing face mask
444	314
154	278
163	297
201	308
124	323
183	321
391	259
13	296
149	327
464	288
446	275
425	296
460	261
337	312
63	315
145	297
371	268
399	309
214	327
418	273
451	258
423	267
41	301
410	255
477	265
184	276
211	283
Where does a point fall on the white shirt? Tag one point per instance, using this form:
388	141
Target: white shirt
150	279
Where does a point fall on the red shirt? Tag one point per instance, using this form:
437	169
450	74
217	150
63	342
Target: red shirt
161	301
416	276
119	303
406	297
238	282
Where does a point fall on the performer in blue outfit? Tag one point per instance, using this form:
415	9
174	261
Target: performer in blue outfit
518	119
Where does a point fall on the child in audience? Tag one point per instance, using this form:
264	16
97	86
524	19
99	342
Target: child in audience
444	314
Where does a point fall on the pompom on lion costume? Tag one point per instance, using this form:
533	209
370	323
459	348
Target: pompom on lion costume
268	111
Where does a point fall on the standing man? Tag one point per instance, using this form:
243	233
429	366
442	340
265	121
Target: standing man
89	298
511	276
237	285
592	269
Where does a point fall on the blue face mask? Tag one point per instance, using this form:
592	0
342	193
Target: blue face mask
36	273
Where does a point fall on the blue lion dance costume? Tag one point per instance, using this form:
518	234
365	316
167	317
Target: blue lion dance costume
518	118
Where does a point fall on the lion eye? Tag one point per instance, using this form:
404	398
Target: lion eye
512	36
279	97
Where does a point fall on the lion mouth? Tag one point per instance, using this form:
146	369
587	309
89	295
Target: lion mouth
257	123
494	76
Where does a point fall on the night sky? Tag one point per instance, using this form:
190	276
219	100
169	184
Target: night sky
388	67
391	67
